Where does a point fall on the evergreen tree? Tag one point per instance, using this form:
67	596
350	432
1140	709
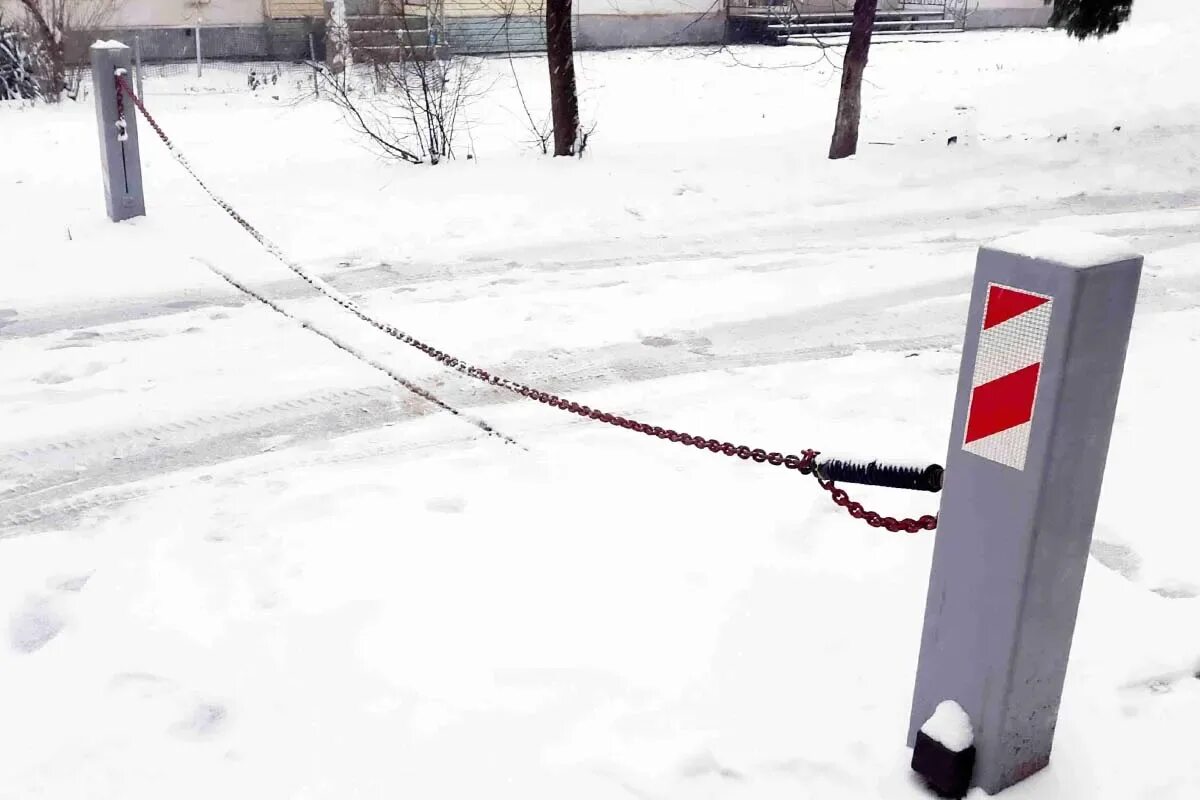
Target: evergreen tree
18	66
1084	18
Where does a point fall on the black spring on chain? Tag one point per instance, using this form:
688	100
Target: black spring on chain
875	473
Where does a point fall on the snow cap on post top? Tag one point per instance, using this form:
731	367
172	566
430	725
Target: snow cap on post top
1070	248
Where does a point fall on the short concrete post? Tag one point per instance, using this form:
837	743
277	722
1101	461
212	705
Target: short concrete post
199	49
137	62
1047	332
120	159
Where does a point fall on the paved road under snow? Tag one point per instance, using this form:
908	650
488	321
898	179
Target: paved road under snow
51	480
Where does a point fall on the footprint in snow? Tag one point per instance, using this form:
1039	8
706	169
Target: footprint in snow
1119	558
205	721
704	764
1177	591
35	625
446	505
72	584
54	377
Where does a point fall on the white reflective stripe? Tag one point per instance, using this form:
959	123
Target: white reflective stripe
1006	447
1012	345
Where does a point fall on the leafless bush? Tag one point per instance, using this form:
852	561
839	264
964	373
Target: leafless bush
411	109
542	131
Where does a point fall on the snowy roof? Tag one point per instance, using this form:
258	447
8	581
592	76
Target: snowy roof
1070	248
103	45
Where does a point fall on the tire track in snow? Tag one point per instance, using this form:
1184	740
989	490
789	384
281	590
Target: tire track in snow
917	318
50	501
197	423
779	235
125	457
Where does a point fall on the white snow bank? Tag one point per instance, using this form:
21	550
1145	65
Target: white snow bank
1070	248
950	726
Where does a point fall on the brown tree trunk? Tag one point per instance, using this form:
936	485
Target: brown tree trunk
560	55
845	127
54	50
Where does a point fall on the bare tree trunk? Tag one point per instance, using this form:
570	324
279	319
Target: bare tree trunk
560	55
52	38
845	127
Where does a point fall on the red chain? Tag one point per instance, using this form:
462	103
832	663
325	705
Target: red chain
928	522
805	464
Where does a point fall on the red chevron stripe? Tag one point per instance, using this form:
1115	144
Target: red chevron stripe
1003	304
1003	403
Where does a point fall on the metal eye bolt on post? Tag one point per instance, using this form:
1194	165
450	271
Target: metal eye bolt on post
1047	333
120	157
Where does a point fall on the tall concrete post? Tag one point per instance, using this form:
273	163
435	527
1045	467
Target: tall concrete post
1047	332
120	158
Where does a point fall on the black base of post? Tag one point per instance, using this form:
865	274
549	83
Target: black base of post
946	772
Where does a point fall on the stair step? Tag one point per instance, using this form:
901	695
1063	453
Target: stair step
839	39
376	23
937	23
367	8
389	38
880	27
417	52
832	16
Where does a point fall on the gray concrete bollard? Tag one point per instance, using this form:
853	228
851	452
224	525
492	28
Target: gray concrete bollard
120	158
1047	333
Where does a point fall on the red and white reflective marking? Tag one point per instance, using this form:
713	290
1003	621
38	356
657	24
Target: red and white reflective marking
1008	366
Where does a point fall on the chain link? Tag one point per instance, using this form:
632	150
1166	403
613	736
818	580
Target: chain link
805	463
927	522
121	125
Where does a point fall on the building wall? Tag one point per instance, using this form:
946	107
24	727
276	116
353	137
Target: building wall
279	28
230	29
1008	13
602	24
606	31
496	26
148	13
294	9
186	13
274	40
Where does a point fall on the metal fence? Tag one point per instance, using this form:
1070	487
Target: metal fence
277	40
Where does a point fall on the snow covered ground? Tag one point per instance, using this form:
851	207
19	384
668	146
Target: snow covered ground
234	561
